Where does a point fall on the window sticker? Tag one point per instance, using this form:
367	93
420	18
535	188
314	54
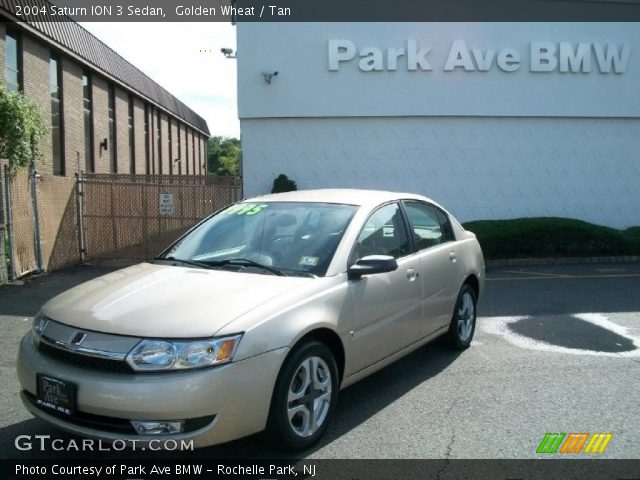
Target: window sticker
309	261
248	209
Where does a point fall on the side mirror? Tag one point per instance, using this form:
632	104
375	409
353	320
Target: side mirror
372	264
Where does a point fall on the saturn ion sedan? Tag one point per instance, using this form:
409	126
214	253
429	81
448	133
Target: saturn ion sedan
254	320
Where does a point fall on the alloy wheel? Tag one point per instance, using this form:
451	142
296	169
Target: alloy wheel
309	396
466	316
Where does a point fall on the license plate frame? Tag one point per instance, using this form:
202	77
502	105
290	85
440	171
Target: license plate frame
56	395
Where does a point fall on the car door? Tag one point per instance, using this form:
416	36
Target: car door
440	268
385	307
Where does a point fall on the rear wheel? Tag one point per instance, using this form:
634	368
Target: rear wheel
304	398
463	322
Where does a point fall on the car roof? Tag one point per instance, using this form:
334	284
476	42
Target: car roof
337	195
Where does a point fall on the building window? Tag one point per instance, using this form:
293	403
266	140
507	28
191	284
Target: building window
88	122
147	133
55	89
132	139
205	152
179	149
13	61
170	148
193	152
112	130
186	148
159	137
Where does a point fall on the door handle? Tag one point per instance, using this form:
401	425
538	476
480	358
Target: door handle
412	274
453	257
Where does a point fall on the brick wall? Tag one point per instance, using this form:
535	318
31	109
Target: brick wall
122	131
36	87
141	139
35	58
100	94
73	115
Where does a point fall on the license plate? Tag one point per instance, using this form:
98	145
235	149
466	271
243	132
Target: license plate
56	394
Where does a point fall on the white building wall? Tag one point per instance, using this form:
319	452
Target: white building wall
487	144
479	168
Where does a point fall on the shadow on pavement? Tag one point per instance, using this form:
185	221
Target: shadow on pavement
25	300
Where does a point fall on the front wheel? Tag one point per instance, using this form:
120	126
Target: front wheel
304	398
463	322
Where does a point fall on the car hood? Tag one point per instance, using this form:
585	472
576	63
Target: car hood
152	300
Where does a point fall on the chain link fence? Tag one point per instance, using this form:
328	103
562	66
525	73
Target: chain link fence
137	216
50	222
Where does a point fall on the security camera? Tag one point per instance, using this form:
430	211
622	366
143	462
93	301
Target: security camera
228	53
268	76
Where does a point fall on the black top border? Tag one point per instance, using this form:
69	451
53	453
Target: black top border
323	10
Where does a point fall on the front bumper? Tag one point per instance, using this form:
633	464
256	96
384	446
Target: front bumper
237	396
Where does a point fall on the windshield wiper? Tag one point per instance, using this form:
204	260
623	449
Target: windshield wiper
245	262
183	261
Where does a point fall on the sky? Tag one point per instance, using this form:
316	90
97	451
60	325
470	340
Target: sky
185	59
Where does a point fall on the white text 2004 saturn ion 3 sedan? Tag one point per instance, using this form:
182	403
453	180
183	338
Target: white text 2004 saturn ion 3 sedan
254	319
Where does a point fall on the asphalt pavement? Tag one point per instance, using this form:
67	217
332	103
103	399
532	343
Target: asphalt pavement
556	350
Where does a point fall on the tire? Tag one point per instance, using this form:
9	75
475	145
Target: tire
290	423
463	321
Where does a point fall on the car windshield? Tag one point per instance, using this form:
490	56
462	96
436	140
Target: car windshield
284	237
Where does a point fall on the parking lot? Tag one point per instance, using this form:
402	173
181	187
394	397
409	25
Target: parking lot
556	350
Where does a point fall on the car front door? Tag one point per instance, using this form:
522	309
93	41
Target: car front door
385	307
440	268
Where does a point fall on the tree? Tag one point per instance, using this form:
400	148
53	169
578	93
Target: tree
225	154
21	129
282	183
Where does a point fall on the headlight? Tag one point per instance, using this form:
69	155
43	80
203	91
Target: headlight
39	322
154	355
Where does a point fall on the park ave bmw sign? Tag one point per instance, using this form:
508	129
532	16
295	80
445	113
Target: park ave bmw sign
543	56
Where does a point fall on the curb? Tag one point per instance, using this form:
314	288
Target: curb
522	262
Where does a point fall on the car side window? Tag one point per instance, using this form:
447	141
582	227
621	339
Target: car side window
384	233
447	229
425	225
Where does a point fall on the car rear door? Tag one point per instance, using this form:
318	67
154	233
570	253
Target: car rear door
439	266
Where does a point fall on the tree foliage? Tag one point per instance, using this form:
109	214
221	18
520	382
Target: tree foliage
282	183
225	155
21	129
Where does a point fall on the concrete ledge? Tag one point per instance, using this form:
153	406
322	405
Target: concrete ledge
112	263
522	262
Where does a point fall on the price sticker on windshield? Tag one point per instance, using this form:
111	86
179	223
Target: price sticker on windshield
248	209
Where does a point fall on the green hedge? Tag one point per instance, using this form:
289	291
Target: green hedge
552	237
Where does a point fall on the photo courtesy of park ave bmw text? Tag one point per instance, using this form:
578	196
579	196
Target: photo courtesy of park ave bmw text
335	240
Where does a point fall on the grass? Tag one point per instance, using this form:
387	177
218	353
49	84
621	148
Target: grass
552	237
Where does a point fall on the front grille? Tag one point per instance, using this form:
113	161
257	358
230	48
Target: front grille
84	361
111	424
